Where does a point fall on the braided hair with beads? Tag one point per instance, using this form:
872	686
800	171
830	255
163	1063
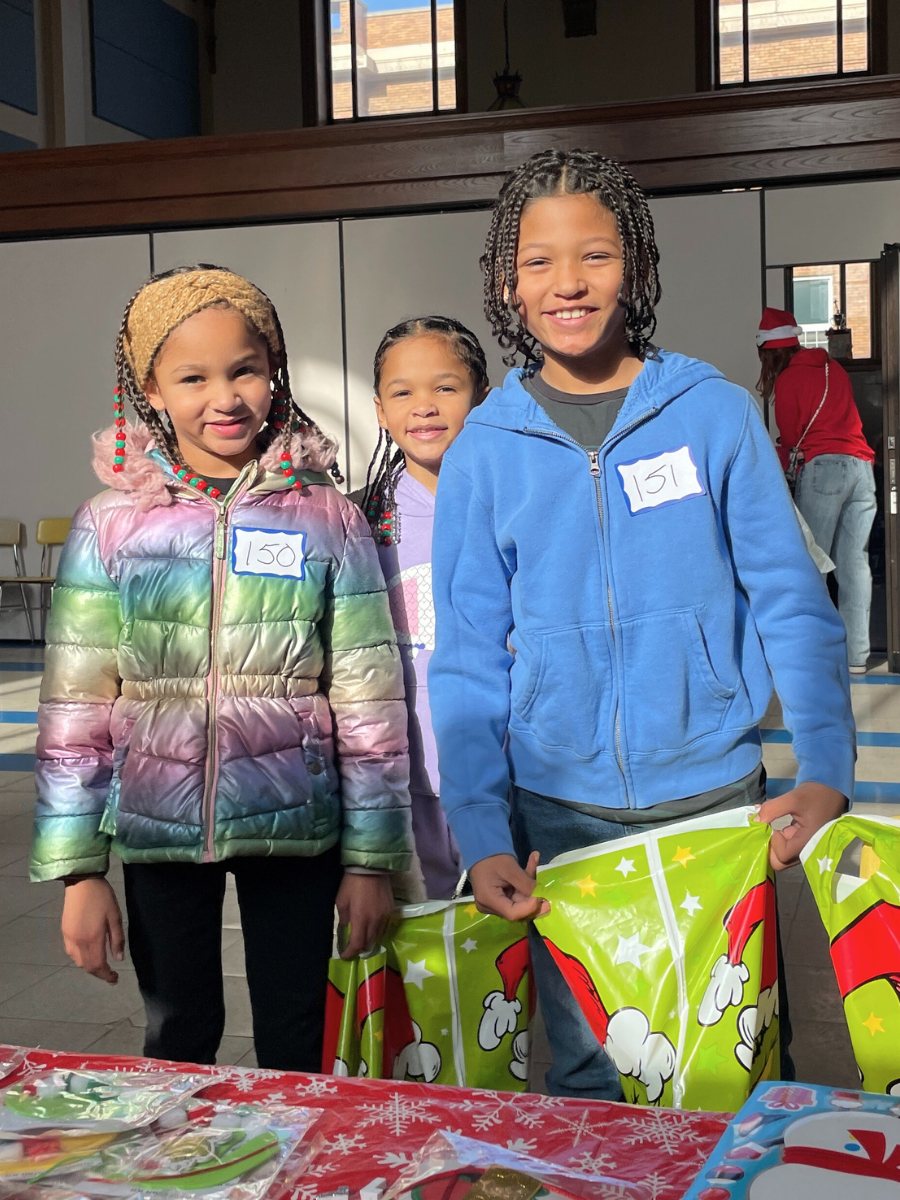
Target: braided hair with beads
387	460
571	172
285	419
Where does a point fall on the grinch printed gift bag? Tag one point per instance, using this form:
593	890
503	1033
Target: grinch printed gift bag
853	868
447	1000
668	941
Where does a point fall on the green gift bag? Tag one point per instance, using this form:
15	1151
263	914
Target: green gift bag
355	1015
668	942
467	984
853	868
447	1000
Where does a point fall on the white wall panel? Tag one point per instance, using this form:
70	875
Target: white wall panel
398	267
60	307
775	288
838	223
710	269
298	267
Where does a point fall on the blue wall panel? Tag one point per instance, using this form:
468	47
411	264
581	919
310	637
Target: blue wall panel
18	70
145	68
9	141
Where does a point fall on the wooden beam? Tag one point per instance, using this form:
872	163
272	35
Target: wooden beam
730	139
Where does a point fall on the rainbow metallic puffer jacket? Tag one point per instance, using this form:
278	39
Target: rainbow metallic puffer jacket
221	678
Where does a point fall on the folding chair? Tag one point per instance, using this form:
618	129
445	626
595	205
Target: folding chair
51	531
11	537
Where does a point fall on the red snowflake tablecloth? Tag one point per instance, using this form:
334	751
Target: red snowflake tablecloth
374	1127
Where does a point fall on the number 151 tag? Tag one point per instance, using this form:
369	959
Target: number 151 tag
269	552
652	482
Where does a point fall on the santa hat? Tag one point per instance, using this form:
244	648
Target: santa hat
512	965
777	328
755	908
583	988
869	949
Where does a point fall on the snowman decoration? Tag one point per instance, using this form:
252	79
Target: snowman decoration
832	1156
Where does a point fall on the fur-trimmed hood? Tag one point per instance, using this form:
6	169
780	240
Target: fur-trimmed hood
149	479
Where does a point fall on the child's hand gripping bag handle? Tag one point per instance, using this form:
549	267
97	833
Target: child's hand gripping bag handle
853	868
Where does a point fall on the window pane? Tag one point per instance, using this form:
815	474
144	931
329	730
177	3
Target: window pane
792	38
815	291
731	41
859	308
341	87
856	49
446	55
394	56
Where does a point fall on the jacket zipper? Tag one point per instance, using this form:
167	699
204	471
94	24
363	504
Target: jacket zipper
220	543
595	469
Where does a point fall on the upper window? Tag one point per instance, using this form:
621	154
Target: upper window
758	40
816	293
389	57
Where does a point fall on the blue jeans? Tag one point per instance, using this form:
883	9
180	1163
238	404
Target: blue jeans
836	494
580	1065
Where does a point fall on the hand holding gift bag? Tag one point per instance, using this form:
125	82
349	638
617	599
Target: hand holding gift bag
853	868
668	941
447	1000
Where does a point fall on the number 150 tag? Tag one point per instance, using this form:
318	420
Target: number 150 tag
269	552
652	482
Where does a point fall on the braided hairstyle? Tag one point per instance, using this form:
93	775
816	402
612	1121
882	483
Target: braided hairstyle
387	460
571	173
162	430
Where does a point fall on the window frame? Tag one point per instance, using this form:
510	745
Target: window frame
318	96
853	364
707	51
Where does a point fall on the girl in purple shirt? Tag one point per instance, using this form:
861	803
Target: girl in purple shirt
429	373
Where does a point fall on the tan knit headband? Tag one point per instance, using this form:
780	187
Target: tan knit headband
162	306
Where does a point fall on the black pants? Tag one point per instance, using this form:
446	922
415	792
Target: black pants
175	938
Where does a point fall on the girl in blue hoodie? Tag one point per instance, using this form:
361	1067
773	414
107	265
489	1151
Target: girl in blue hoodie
619	579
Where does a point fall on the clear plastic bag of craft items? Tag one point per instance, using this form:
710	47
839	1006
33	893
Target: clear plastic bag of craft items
56	1153
231	1152
450	1167
93	1101
11	1058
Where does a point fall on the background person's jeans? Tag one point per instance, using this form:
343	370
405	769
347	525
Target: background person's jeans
836	494
580	1066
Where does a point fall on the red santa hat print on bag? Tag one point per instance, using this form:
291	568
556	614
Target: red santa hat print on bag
501	1009
625	1036
729	974
778	327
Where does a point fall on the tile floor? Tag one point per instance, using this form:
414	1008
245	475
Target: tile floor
48	1002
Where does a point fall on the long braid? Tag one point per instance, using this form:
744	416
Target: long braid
571	172
384	468
128	389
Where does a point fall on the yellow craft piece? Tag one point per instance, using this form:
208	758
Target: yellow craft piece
71	1148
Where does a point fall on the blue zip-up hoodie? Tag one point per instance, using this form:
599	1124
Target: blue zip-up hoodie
609	625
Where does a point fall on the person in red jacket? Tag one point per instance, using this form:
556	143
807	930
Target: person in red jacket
817	415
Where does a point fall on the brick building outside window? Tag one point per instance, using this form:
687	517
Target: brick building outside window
400	46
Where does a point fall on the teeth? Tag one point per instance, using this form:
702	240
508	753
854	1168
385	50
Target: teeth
570	314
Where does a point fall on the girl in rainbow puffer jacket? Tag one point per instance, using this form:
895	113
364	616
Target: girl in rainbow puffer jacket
223	690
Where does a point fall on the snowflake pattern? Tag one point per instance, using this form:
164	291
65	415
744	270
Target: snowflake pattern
584	1126
344	1144
521	1146
242	1079
593	1164
397	1114
316	1085
669	1131
496	1108
658	1185
394	1161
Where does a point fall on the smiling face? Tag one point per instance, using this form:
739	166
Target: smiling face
570	265
425	393
212	376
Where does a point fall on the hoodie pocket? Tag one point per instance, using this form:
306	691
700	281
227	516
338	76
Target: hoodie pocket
672	695
565	700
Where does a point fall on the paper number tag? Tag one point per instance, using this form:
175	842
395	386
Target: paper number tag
269	552
653	482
